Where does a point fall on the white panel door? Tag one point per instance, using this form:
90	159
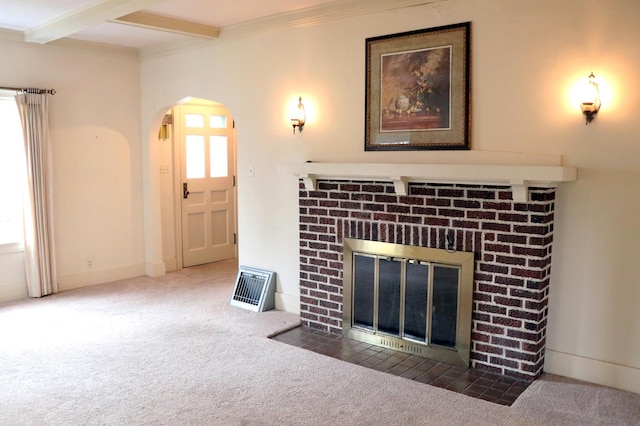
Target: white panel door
208	192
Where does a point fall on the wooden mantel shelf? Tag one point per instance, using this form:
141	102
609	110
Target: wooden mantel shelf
519	178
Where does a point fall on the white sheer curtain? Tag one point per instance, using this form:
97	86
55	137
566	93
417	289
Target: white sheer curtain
38	211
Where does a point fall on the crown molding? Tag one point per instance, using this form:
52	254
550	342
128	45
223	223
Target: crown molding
11	36
316	15
309	16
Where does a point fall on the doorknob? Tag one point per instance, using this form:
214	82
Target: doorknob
185	190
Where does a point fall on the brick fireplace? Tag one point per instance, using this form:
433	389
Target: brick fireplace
511	240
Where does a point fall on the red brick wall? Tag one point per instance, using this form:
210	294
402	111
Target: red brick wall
511	241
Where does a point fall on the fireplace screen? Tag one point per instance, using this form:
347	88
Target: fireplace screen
413	299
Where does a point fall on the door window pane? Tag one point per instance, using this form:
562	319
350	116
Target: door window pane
194	120
195	156
219	156
218	121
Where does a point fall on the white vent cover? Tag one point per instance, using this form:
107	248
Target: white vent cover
254	290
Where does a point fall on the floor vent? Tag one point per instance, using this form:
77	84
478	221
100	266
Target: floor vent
254	290
401	346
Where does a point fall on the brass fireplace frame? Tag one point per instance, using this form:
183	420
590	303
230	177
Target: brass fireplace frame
460	355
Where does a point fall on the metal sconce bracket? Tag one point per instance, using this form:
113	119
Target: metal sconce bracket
589	116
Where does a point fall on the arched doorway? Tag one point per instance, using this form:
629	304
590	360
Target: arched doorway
197	159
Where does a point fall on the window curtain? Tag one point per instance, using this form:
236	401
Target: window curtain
38	207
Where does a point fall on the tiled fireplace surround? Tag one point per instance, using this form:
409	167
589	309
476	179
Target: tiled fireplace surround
511	241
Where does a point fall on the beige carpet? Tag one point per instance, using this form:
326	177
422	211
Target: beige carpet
171	351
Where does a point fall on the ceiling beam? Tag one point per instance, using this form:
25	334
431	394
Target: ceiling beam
80	19
163	23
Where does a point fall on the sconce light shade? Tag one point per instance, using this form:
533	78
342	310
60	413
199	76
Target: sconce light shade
298	117
590	103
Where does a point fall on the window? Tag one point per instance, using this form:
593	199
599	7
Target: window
12	175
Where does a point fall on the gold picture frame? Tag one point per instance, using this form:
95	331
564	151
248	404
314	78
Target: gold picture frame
418	90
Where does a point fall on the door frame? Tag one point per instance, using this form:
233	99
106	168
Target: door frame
177	177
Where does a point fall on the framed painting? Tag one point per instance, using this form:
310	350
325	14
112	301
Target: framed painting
417	90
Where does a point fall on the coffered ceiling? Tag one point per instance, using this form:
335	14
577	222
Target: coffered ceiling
144	24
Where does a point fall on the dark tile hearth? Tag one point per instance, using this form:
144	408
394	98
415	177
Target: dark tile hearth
468	381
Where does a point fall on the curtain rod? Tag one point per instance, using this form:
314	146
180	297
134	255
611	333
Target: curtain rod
30	90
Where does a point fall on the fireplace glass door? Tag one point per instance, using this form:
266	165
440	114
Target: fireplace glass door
406	299
412	299
416	301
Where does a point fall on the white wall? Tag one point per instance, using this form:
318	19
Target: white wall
95	132
526	55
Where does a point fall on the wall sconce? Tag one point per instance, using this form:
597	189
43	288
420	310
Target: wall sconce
590	103
165	128
298	117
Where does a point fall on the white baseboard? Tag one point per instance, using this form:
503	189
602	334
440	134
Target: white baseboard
13	292
592	370
171	264
288	302
93	277
156	269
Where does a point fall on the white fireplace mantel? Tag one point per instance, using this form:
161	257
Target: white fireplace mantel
519	178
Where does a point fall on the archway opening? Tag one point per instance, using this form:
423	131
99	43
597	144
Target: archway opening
191	215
